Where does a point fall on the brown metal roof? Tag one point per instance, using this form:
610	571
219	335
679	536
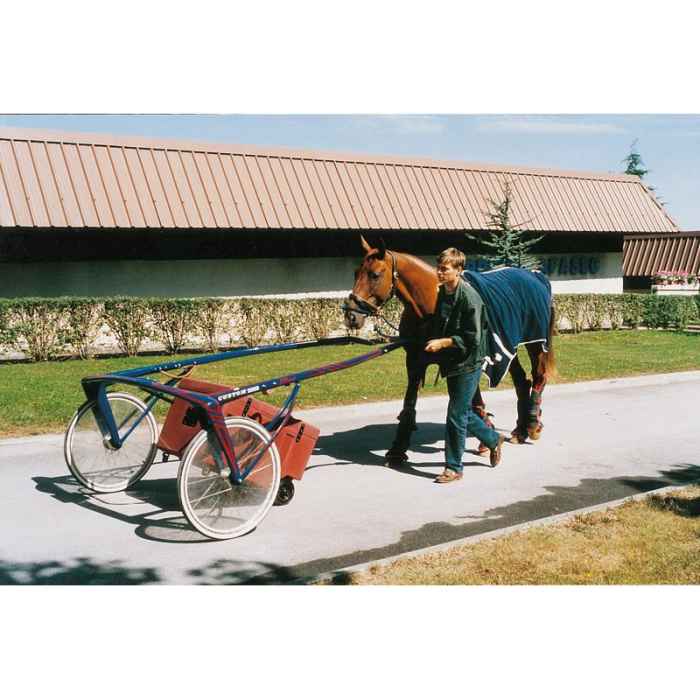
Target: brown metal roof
645	255
62	180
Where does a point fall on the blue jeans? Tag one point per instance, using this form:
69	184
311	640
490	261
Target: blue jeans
461	421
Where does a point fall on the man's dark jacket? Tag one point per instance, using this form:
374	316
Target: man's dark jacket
466	322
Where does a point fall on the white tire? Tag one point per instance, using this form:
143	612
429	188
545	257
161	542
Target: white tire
94	462
212	503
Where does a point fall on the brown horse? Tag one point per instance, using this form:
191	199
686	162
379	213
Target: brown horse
385	273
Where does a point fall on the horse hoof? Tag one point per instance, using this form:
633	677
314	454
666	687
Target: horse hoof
395	461
518	437
535	432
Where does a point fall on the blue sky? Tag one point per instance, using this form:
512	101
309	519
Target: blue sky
669	144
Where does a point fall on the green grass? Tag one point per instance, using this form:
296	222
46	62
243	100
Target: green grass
652	541
41	397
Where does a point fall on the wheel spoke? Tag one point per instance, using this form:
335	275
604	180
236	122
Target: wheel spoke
93	463
220	512
210	495
260	469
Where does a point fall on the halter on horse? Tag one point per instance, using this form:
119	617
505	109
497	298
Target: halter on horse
383	274
383	281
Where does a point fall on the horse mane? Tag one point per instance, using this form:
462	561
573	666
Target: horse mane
416	261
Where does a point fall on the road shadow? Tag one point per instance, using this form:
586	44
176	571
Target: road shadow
163	522
79	571
83	571
361	445
558	500
413	468
231	572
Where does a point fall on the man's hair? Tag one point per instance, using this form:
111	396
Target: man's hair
453	257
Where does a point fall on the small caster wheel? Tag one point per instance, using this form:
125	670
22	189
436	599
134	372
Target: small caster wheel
285	492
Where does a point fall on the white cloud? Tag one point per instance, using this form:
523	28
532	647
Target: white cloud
406	123
544	125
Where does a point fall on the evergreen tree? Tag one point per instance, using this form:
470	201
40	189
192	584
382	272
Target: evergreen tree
507	244
635	164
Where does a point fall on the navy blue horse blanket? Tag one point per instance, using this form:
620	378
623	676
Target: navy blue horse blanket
518	304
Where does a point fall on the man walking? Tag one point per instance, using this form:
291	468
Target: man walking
459	339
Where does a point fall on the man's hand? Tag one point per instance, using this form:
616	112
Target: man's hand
438	344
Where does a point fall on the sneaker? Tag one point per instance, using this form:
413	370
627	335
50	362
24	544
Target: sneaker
447	476
495	456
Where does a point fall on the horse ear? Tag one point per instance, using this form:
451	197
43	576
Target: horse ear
382	249
366	246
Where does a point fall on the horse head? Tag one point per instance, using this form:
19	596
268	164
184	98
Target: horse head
374	284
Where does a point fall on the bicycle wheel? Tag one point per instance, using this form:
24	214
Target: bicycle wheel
94	462
214	505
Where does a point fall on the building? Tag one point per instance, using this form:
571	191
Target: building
645	254
82	214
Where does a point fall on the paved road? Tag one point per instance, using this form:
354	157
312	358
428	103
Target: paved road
602	441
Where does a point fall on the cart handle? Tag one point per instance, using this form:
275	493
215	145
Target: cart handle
210	407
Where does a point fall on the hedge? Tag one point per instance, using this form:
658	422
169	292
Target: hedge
577	312
45	329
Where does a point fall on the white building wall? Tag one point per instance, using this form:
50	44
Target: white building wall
606	280
588	273
183	278
579	273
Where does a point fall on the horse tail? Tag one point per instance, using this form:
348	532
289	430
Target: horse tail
548	360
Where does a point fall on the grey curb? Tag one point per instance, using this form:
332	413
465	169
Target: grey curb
328	576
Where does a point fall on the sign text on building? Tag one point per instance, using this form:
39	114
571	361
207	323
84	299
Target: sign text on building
556	265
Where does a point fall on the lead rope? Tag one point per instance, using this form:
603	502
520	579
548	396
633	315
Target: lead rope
185	373
379	331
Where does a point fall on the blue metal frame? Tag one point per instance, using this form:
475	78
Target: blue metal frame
209	408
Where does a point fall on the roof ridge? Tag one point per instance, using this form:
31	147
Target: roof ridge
79	180
88	138
650	192
662	234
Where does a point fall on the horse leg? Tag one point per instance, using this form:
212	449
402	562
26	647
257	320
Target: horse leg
396	455
539	380
522	391
479	407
